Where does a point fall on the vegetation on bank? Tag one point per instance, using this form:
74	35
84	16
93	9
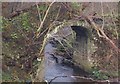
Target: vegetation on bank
23	39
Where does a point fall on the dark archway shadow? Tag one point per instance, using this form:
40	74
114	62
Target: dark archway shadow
80	31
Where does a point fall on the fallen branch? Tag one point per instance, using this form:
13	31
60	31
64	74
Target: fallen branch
55	78
93	80
101	33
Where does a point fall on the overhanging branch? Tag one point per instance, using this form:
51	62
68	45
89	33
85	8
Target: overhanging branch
101	33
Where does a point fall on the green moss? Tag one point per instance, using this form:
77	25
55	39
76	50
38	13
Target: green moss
25	21
75	5
6	77
98	74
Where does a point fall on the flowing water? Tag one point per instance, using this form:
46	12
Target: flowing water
58	72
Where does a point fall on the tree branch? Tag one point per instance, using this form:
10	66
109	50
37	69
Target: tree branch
101	32
41	25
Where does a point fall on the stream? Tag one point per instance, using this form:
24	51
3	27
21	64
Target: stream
56	68
60	72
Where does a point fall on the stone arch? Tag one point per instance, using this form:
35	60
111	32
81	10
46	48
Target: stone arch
83	47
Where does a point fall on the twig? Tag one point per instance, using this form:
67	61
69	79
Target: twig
95	26
51	23
90	79
58	13
45	38
64	48
113	21
38	31
103	35
39	13
102	15
41	25
55	78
